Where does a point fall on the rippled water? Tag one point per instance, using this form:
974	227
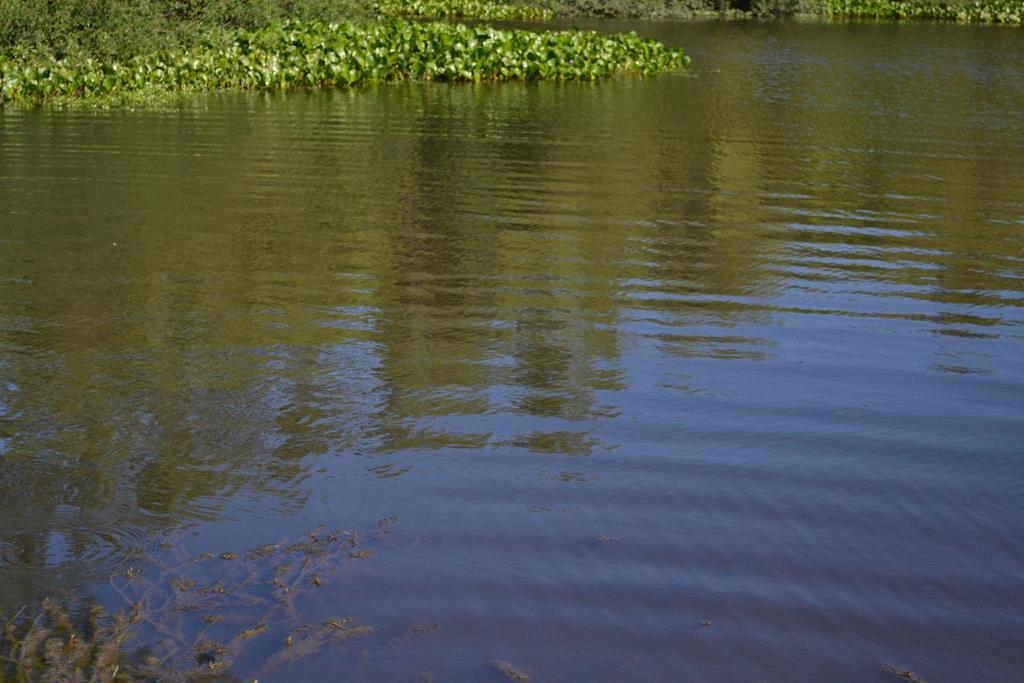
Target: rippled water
742	346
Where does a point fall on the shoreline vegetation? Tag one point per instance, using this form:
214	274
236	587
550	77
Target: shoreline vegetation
957	11
124	52
463	9
977	12
294	54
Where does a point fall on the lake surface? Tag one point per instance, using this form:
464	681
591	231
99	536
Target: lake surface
708	376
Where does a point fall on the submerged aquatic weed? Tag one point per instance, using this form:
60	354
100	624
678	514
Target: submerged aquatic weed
52	647
510	672
314	55
188	617
310	638
465	9
903	673
989	11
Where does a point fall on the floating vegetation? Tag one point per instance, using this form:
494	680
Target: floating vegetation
988	12
192	619
314	55
462	9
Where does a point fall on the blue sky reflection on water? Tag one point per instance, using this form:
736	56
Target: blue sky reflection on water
739	346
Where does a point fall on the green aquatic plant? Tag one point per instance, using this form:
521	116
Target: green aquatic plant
903	673
510	672
461	9
314	55
52	646
988	12
119	29
192	617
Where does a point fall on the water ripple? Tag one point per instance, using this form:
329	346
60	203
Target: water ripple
708	377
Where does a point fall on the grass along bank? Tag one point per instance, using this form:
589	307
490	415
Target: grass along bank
122	29
462	9
296	54
988	12
119	30
965	11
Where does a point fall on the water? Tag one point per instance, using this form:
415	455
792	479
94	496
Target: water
742	346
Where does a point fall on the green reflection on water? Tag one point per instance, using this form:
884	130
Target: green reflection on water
197	306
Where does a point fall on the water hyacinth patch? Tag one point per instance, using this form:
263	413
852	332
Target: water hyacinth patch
988	12
315	55
456	9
